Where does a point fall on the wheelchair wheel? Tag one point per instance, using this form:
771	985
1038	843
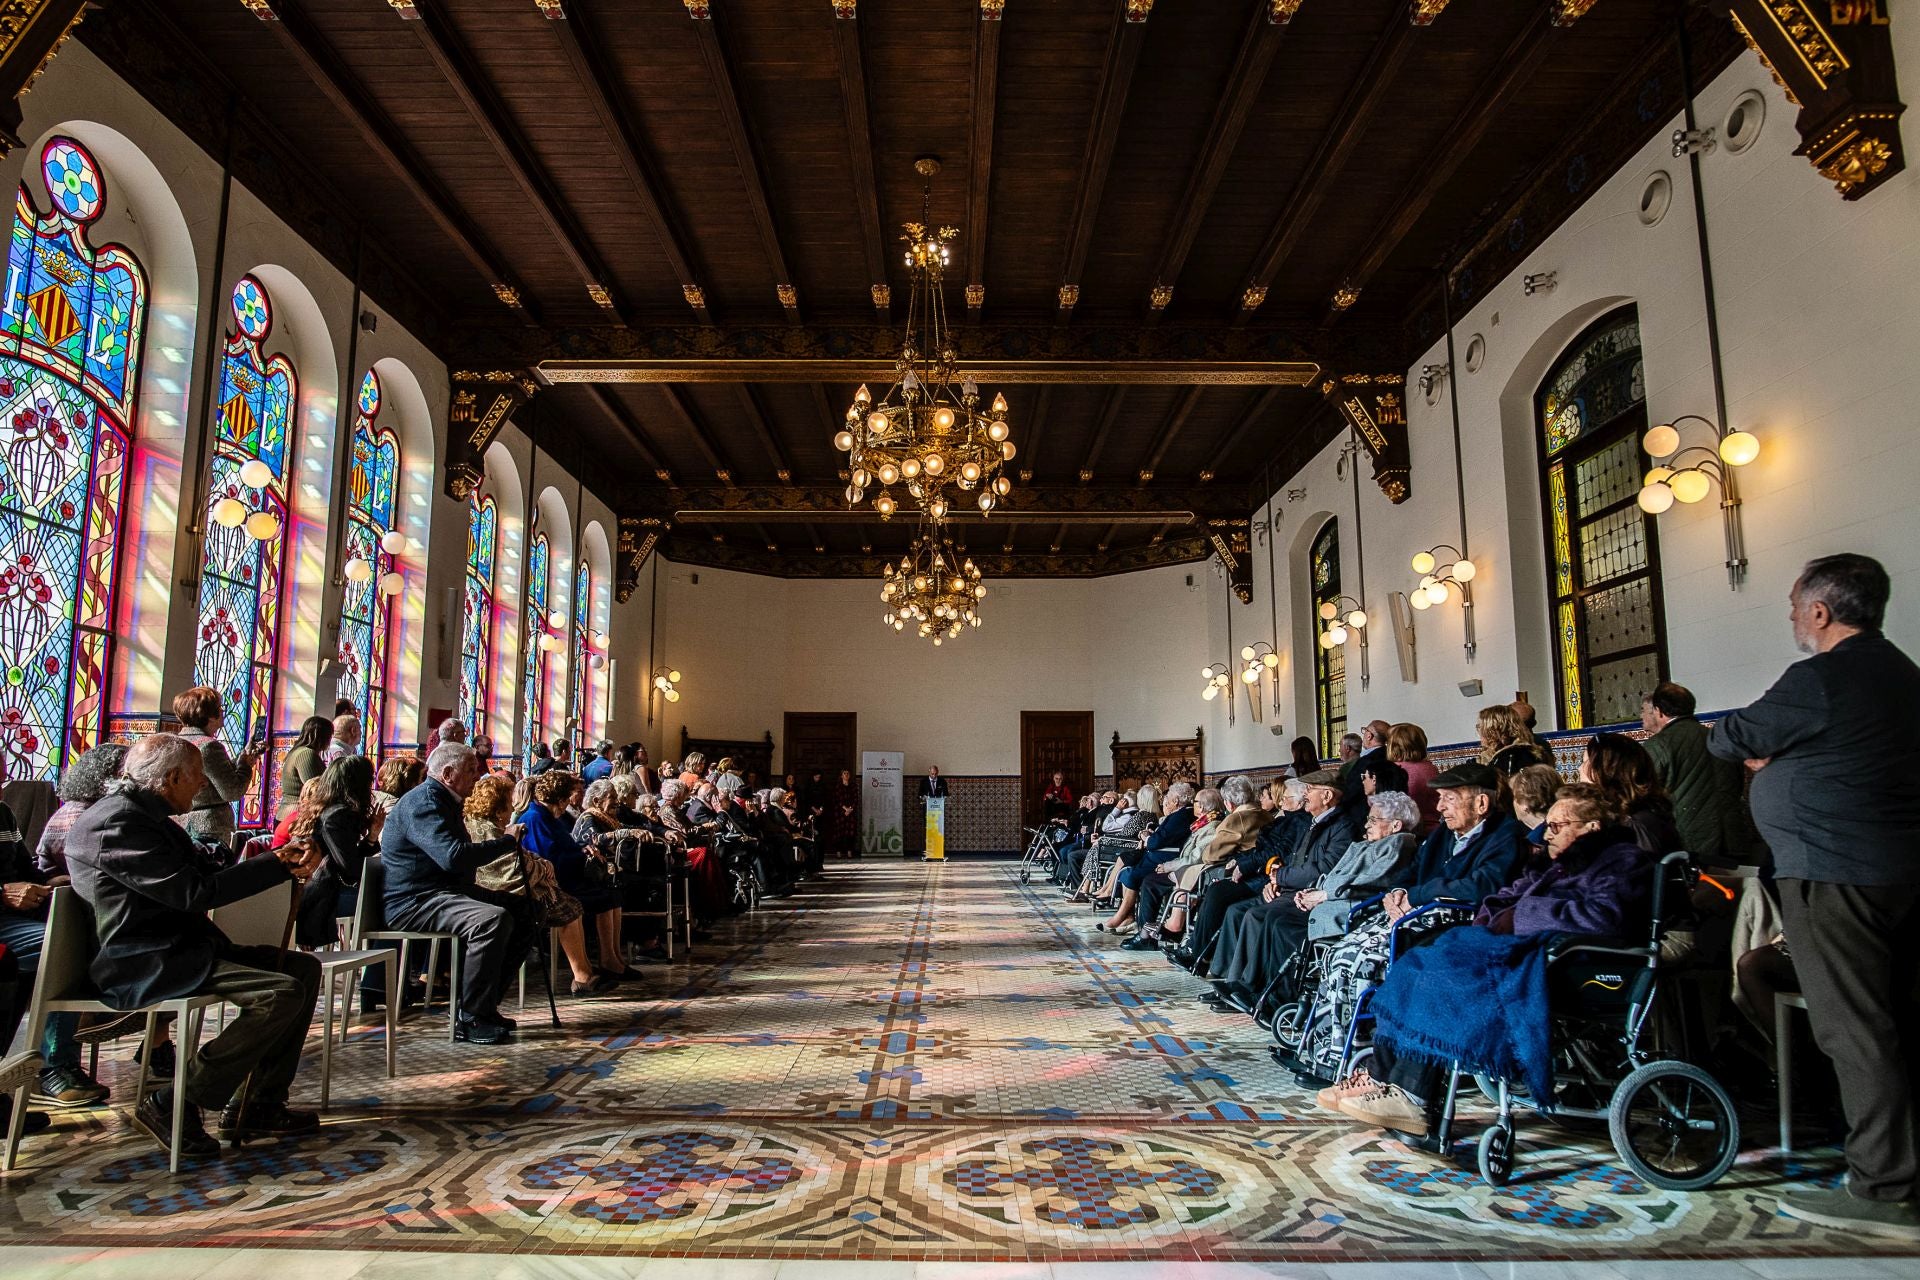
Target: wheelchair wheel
1674	1126
1496	1155
1286	1025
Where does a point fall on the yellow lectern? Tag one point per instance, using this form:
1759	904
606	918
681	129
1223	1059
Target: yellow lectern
936	829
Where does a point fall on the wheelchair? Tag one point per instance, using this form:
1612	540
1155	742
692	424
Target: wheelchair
1669	1120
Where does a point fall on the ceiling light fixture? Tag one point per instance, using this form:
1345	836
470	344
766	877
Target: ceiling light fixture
936	587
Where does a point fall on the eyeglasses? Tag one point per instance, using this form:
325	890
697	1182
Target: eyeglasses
1553	828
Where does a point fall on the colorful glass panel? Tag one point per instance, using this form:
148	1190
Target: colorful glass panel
476	628
366	613
237	648
582	627
70	334
1329	665
534	679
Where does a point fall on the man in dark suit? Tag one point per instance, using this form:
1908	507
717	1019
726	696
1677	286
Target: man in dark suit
429	863
150	889
1837	798
933	786
1387	776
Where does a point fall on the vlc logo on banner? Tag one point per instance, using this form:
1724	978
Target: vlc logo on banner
936	829
880	829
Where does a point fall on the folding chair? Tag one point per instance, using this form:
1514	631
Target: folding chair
63	985
370	910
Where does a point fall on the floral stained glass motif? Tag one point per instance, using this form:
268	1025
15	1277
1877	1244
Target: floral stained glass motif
582	626
1329	665
70	338
366	613
476	628
1602	557
244	560
533	683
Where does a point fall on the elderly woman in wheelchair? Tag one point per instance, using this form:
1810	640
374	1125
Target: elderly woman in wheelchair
1550	987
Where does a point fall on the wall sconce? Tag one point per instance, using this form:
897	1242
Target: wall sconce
1431	376
1219	679
1345	618
1667	483
1687	142
665	680
1539	282
1260	659
1438	575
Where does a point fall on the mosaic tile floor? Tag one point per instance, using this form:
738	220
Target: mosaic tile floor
907	1062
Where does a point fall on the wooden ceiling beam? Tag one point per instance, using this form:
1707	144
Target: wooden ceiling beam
826	504
1258	46
382	137
752	175
718	553
1033	435
1329	161
586	52
757	417
986	93
866	191
630	427
1109	413
1256	413
450	54
1123	53
702	438
1169	431
1514	67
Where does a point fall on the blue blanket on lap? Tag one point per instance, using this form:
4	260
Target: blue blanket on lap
1475	997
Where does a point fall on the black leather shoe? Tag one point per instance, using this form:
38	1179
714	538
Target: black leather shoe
476	1031
1141	943
265	1120
154	1117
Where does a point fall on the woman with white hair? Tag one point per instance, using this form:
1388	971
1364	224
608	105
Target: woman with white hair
1163	846
1127	827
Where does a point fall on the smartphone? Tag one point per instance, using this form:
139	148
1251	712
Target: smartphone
258	738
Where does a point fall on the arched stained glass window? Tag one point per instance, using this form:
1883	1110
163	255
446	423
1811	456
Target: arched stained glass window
582	632
533	683
1603	561
366	612
69	369
1329	665
245	521
476	629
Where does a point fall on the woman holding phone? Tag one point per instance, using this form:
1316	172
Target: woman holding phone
228	777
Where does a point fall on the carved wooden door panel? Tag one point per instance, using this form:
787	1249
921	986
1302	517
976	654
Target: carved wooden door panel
823	740
1050	742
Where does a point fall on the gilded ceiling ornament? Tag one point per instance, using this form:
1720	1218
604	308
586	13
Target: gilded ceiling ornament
1345	296
1568	12
1069	296
550	9
1162	294
1253	298
1855	162
784	476
696	296
601	298
507	294
1765	61
990	10
1425	11
664	477
788	295
1146	476
1206	477
405	9
882	295
1086	475
1280	12
844	8
697	10
261	9
976	296
1137	10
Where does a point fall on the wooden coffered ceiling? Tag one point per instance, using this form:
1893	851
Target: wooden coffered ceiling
681	218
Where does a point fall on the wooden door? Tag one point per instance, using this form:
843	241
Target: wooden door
1050	742
823	740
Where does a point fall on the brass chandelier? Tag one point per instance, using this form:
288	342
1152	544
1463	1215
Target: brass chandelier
935	586
926	432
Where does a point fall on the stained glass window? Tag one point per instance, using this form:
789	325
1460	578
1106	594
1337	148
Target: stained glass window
366	612
69	369
476	629
245	519
582	632
1329	665
533	684
1602	558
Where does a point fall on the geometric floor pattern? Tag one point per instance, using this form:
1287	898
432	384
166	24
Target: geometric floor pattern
905	1061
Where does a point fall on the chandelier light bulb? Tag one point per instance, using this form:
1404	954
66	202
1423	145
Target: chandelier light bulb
391	584
1690	485
1437	592
919	582
860	477
889	474
996	431
1463	571
1739	448
937	508
1661	440
255	474
1003	486
660	682
876	421
986	503
999	403
230	513
263	526
943	418
934	464
393	542
548	644
980	592
863	397
1007	450
853	494
359	570
843	440
1206	673
1420	602
970	472
910	468
884	505
1423	562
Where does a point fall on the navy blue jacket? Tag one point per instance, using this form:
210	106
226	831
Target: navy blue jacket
1492	860
1172	832
1326	841
424	847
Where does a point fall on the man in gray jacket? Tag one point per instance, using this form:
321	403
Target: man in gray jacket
1837	798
